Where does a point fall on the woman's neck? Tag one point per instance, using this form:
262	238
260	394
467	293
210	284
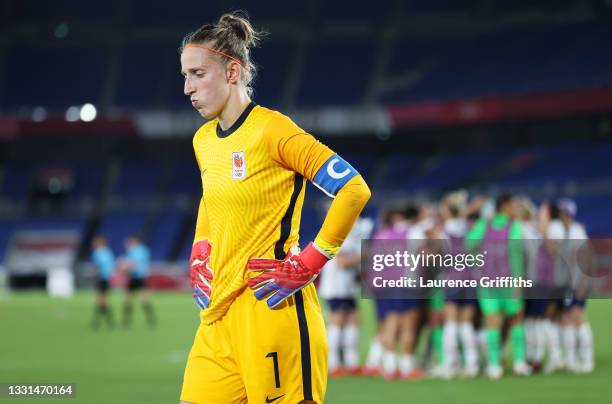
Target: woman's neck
234	108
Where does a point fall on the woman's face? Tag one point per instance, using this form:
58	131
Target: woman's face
206	82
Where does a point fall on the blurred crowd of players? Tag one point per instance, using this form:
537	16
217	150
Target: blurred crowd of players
462	335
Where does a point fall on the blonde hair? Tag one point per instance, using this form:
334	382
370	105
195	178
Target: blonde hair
456	201
528	209
232	37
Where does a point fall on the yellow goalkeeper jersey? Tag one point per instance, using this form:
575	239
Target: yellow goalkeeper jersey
253	182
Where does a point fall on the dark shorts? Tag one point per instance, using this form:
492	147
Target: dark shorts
568	303
136	284
102	285
342	304
536	307
386	306
541	292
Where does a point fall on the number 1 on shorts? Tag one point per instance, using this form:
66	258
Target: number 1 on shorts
274	356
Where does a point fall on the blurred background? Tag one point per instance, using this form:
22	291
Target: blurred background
421	97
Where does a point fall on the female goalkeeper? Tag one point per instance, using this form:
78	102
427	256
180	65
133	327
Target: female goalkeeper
262	336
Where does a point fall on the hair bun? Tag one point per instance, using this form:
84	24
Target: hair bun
241	26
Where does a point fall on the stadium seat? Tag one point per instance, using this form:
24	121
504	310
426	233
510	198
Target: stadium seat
164	233
118	225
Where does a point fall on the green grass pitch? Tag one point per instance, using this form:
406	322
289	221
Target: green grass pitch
44	340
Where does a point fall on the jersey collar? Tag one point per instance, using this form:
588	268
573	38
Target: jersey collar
225	133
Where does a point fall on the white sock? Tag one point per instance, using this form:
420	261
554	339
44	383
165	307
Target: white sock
350	341
568	338
375	354
449	344
389	364
468	341
539	332
333	337
530	338
585	344
406	363
553	339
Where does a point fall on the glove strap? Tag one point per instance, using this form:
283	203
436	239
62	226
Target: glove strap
201	248
312	258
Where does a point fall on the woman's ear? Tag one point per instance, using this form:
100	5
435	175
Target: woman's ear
233	72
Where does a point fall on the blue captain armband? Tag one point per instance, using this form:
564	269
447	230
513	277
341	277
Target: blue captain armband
333	175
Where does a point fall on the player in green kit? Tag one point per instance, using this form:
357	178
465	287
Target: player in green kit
500	240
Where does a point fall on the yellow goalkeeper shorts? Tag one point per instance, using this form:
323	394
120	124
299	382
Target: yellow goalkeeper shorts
256	354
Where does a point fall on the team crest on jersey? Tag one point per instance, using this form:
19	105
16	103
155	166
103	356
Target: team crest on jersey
238	166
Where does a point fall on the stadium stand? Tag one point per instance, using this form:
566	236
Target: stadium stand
348	50
167	209
317	55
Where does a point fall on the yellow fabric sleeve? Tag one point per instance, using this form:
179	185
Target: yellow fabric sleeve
342	214
299	151
293	148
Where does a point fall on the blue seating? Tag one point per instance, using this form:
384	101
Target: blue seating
595	212
6	231
164	233
118	225
338	63
142	70
55	223
363	163
138	180
71	76
264	11
186	180
398	170
310	224
59	10
185	251
453	171
505	62
344	11
337	72
15	182
89	179
191	13
559	164
273	61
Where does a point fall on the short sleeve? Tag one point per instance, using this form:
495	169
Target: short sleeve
555	231
579	232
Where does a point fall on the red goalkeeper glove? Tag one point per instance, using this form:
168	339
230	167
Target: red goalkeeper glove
281	279
201	273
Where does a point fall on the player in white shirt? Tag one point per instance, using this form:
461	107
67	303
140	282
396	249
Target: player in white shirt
339	286
460	304
537	266
568	236
557	285
396	224
409	309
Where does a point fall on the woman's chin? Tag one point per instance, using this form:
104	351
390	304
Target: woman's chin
207	114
